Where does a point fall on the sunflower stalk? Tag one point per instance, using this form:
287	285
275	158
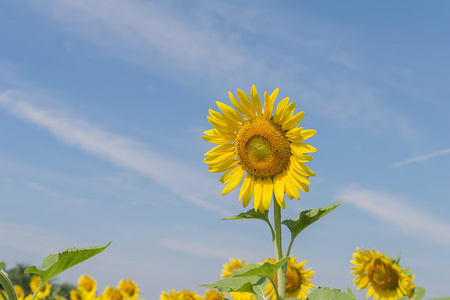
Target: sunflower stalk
281	273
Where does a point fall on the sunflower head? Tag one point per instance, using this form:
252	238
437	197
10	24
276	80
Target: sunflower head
234	264
298	282
128	289
111	293
381	275
213	295
261	147
87	286
171	295
44	291
19	292
188	295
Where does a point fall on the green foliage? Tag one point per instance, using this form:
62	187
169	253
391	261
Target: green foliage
306	218
54	264
19	277
7	285
325	293
252	278
252	214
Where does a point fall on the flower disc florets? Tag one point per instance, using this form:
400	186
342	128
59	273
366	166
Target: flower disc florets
262	148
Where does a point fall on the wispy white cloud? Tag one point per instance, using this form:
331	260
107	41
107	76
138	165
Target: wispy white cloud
393	209
191	185
420	158
211	40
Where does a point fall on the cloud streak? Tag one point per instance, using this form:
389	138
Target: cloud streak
393	210
420	158
119	150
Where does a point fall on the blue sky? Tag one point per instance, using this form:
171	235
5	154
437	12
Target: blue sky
102	105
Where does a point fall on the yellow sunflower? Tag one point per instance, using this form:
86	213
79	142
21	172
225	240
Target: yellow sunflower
19	292
228	268
260	147
34	284
129	289
75	295
213	295
111	293
171	295
87	286
297	280
383	278
188	295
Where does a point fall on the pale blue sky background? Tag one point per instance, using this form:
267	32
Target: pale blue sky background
102	104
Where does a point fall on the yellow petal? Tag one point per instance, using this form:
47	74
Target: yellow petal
280	110
218	139
234	180
287	113
230	112
214	160
293	121
225	177
278	189
245	186
290	187
237	104
258	192
249	192
302	148
220	149
246	103
298	183
223	127
267	192
256	102
307	133
268	106
223	168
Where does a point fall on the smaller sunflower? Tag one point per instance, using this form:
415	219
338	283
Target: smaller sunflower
19	292
44	291
171	295
188	295
213	295
75	295
381	275
235	264
129	289
297	280
111	293
87	286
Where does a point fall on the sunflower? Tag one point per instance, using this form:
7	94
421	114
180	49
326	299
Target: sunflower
228	268
213	295
260	147
45	289
188	295
297	280
111	293
171	295
129	289
381	275
19	292
75	295
87	286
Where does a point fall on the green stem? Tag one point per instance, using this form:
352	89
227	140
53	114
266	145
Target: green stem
281	274
7	284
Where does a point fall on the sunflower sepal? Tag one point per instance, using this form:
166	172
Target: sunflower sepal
306	218
331	294
54	264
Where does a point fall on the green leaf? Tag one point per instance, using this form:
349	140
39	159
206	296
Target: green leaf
7	285
252	278
306	218
2	264
249	284
54	264
267	269
418	293
325	293
252	214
